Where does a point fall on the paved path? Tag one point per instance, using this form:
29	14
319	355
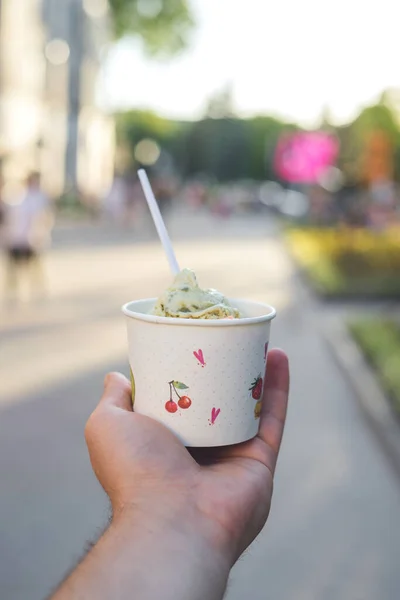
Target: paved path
334	532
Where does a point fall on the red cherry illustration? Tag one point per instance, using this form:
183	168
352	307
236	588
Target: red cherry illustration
171	406
185	402
256	388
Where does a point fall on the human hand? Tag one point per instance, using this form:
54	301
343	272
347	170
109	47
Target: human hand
221	494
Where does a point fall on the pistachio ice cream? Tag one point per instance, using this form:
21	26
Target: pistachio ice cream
186	300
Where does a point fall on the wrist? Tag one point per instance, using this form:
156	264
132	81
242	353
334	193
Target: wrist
148	555
177	546
180	519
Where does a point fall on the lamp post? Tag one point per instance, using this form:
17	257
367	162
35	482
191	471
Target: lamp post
76	31
1	107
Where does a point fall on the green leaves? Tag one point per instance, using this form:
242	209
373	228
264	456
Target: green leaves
164	31
180	386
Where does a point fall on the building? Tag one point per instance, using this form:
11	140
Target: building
22	81
50	58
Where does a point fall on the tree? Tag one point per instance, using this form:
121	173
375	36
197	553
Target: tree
163	26
263	135
355	139
225	149
136	125
220	105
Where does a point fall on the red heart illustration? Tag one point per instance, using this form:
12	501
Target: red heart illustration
214	414
199	355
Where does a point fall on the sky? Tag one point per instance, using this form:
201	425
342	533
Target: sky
288	58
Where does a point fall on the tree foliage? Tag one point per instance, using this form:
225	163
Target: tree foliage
354	137
136	125
225	148
163	26
229	148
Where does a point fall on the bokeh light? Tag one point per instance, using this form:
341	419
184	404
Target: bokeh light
149	9
57	52
147	152
96	9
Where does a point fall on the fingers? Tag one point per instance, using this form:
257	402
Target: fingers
275	401
117	392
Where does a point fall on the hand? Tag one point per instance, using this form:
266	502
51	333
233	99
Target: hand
224	494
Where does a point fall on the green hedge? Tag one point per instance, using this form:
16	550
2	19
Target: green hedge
344	262
379	339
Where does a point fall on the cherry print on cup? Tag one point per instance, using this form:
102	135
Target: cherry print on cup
198	354
183	402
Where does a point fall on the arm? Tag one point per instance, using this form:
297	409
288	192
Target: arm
142	557
179	524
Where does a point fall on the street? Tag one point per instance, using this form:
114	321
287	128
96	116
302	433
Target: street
334	529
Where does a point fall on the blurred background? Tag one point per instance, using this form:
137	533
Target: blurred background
271	134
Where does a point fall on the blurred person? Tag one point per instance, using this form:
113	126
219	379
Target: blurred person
320	205
117	200
378	175
181	519
222	205
194	195
28	222
2	205
165	188
382	204
164	198
133	191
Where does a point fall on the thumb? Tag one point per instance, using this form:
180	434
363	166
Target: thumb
117	392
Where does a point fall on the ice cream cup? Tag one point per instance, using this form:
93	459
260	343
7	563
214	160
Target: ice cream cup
203	379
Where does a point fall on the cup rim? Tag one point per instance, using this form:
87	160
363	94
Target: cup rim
268	316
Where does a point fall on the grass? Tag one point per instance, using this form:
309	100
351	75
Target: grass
344	262
379	340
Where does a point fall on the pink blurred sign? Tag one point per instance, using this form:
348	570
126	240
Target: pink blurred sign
302	157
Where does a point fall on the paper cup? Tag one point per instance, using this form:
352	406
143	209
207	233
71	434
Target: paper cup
203	379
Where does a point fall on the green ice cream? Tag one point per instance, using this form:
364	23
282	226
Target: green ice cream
184	299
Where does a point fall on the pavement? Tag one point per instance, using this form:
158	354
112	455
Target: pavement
334	529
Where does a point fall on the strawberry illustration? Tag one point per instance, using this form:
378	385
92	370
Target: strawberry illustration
256	388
